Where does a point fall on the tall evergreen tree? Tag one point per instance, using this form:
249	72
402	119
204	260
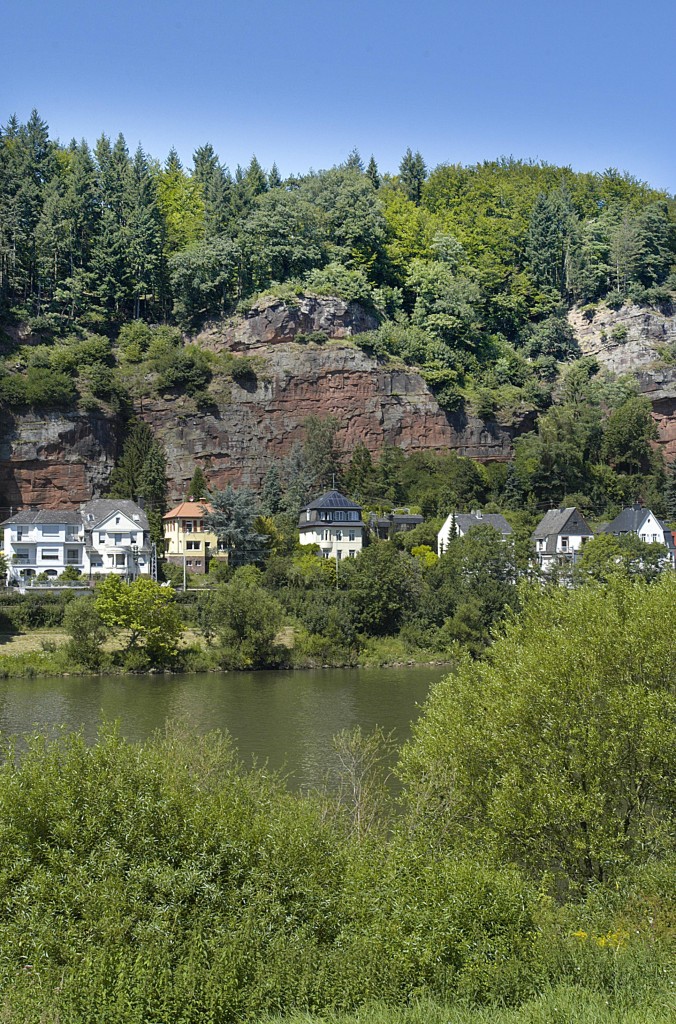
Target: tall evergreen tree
126	478
412	175
372	173
199	487
233	520
153	489
271	494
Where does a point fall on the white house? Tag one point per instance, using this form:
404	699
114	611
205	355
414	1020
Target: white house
117	538
335	524
463	522
559	537
44	541
645	525
106	535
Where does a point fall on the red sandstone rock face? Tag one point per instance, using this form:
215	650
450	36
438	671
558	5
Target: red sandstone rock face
55	460
255	427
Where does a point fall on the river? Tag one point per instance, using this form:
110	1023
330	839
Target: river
283	719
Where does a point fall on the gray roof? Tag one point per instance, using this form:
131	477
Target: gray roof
630	520
54	516
465	521
333	499
668	536
94	512
561	520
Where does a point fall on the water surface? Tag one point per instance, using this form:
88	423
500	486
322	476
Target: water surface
284	719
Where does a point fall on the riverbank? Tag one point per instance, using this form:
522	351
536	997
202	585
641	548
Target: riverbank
43	652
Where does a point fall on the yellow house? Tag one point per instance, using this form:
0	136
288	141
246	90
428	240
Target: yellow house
186	542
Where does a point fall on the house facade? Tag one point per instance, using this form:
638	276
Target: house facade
335	524
104	536
559	537
186	542
463	522
385	526
645	524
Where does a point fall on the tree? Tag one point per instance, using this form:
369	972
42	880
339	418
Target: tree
246	619
372	172
233	520
381	582
145	612
360	475
87	632
153	488
199	487
125	480
271	494
627	435
606	556
670	494
321	453
556	751
412	174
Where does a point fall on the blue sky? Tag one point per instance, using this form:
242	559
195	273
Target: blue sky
302	82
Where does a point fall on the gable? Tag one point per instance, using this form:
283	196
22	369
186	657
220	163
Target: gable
125	525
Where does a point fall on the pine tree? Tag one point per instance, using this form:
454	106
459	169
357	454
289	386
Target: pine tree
359	478
125	480
271	494
354	161
274	177
153	488
412	174
199	487
320	451
372	173
233	521
670	495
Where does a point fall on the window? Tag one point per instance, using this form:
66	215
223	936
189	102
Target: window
50	554
72	556
187	526
339	555
339	534
189	562
326	535
21	555
19	533
192	545
102	538
120	560
118	538
326	552
117	520
351	534
564	543
353	553
50	530
132	538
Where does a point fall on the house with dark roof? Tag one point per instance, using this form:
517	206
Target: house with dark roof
104	536
385	526
334	523
645	524
460	523
559	537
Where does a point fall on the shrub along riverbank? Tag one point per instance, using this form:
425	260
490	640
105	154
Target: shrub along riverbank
530	863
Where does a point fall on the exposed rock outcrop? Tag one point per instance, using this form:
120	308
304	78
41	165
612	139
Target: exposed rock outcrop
55	459
255	426
276	322
631	340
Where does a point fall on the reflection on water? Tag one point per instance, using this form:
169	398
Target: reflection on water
284	719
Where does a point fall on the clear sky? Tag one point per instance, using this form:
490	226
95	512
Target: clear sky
588	83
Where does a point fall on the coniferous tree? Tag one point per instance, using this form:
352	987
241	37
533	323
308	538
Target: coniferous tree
125	480
199	487
670	494
359	478
233	520
274	177
271	494
372	173
153	489
412	175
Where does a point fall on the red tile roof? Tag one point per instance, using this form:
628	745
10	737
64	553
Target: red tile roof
189	510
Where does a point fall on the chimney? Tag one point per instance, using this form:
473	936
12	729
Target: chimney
141	502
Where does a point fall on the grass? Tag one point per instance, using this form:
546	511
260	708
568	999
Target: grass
563	1004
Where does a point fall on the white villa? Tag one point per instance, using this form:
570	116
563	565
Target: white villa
106	535
463	522
559	537
335	524
645	525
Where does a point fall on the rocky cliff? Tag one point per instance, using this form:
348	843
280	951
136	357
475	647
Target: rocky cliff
635	339
251	425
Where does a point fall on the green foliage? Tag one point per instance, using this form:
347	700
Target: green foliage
199	487
233	520
246	619
87	632
581	689
144	612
